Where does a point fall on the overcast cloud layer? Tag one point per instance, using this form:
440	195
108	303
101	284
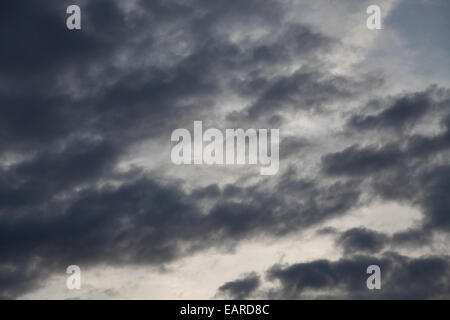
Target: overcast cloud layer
85	171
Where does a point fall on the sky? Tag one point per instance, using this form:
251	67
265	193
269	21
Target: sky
86	176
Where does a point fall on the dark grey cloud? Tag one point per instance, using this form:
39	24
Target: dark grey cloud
61	70
241	288
413	168
147	222
211	191
366	241
41	63
71	111
361	240
412	237
38	41
304	90
292	145
52	173
356	161
404	111
401	278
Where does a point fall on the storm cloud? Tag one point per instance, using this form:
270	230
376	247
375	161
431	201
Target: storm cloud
402	278
85	171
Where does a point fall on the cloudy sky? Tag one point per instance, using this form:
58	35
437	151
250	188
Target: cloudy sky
85	171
